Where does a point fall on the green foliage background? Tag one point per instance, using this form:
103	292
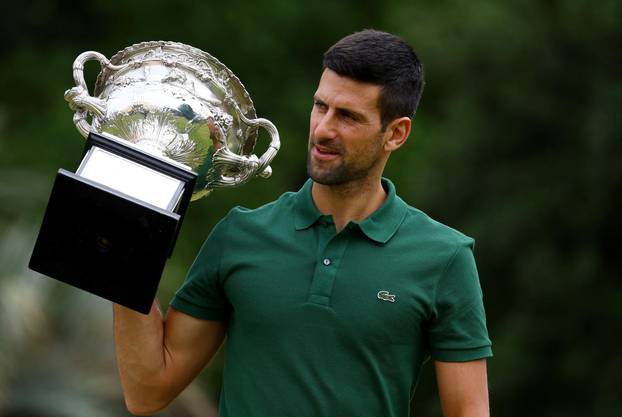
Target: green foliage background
516	143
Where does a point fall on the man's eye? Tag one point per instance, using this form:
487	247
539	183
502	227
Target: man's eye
319	105
348	116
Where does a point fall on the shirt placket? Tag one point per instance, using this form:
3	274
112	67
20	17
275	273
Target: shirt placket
331	248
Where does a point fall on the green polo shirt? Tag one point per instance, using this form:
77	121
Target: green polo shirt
326	324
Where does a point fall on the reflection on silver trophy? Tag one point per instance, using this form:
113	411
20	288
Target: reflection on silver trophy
168	124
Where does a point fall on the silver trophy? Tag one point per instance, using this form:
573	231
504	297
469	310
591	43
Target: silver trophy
168	124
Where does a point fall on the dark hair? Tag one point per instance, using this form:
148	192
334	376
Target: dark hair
383	59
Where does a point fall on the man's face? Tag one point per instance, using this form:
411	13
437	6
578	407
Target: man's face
345	135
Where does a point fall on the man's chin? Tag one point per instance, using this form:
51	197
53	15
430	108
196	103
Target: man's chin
325	177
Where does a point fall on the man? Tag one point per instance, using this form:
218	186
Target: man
331	298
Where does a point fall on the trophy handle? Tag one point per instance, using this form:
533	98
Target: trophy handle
79	98
247	166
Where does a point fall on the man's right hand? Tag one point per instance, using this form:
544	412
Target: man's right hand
159	356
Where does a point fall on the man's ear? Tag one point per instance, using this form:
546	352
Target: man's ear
396	133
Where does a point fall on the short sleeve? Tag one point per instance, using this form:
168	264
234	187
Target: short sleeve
202	294
457	330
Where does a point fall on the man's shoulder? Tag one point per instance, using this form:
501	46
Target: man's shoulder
265	213
424	226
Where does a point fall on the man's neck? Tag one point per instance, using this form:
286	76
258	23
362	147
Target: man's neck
354	201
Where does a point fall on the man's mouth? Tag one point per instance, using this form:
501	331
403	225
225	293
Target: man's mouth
324	153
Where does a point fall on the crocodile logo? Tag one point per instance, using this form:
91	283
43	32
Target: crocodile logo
385	296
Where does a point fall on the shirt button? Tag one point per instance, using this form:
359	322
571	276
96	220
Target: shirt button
326	261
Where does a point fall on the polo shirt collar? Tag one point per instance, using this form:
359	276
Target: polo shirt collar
380	226
306	213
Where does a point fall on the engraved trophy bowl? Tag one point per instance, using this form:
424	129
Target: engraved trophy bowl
178	103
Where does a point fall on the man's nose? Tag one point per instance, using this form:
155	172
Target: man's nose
325	127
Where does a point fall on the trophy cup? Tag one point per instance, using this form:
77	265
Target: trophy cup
169	124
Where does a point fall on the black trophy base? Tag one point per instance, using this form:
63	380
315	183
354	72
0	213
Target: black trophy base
104	242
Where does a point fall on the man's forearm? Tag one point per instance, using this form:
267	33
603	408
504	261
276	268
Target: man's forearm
463	388
139	342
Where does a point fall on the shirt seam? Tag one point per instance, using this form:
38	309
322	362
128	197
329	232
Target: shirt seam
222	251
461	355
181	303
445	269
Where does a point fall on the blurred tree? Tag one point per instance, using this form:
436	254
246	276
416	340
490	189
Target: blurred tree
515	143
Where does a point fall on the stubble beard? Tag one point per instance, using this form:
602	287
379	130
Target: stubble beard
342	171
335	176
